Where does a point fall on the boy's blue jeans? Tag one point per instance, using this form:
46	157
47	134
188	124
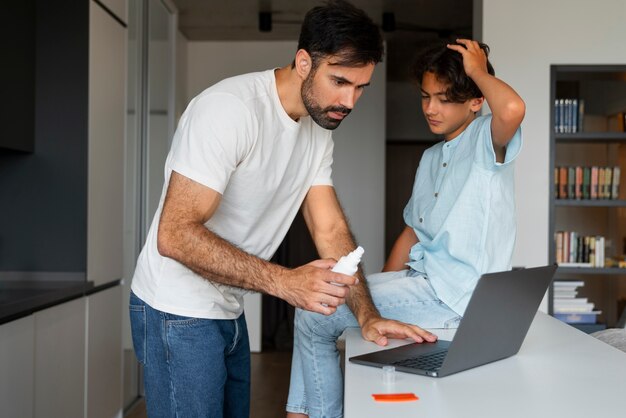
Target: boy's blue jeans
192	367
316	386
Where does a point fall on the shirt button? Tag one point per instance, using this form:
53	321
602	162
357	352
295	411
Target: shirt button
445	164
421	220
436	194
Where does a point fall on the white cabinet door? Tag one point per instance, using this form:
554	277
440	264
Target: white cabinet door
107	126
104	353
17	343
60	361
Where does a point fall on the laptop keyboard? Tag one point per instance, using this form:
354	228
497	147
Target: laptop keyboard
426	362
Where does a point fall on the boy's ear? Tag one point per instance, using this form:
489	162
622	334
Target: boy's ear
476	103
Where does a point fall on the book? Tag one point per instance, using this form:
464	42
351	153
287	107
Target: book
586	182
561	115
615	183
608	178
581	114
574	116
593	193
571	182
601	179
572	247
578	185
573	305
579	264
599	251
556	182
578	318
563	182
559	246
556	116
568	284
564	294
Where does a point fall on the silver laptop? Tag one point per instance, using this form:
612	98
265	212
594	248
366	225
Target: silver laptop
494	326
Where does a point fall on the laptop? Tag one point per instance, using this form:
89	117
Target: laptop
497	318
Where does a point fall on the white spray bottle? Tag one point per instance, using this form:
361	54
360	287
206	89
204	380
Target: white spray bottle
349	264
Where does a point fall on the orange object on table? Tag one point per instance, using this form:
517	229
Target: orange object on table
394	397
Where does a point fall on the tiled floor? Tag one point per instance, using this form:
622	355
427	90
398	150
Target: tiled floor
270	385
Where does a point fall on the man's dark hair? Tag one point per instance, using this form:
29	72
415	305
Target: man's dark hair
447	65
339	29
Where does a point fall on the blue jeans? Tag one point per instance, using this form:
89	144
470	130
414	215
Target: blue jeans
192	367
316	386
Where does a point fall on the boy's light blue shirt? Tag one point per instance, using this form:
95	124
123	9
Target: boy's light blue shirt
463	212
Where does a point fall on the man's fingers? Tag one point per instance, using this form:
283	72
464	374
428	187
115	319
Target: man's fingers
332	301
320	308
325	263
396	329
341	279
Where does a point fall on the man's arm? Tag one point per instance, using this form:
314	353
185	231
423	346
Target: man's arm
331	234
182	236
507	107
399	255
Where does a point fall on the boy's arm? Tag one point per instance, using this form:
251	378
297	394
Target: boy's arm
332	237
507	107
399	255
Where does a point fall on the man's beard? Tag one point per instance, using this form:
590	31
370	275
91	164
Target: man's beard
317	113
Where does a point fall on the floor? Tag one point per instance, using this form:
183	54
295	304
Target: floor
270	384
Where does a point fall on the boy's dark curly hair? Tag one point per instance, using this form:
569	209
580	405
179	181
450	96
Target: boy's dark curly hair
447	65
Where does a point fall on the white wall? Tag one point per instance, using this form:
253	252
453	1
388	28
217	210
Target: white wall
526	37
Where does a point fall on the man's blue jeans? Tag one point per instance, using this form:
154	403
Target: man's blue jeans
316	386
192	367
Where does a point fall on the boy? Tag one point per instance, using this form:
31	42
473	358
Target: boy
460	219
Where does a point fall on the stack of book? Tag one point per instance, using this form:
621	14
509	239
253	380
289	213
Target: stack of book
570	308
568	115
587	182
576	250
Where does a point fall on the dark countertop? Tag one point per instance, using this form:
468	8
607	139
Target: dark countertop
20	298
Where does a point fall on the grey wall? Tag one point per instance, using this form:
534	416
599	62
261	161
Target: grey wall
43	195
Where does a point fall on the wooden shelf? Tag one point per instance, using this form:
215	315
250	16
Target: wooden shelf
591	137
606	203
591	270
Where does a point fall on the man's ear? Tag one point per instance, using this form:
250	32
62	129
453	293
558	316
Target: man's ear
476	103
303	63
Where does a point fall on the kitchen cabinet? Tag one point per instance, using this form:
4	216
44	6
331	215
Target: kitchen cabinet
104	353
60	360
17	344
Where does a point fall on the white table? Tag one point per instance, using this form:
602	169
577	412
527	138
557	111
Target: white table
558	372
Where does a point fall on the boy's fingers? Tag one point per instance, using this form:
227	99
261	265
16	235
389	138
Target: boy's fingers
457	48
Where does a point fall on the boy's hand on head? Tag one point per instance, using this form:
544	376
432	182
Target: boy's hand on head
474	57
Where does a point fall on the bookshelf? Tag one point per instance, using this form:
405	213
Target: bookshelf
587	131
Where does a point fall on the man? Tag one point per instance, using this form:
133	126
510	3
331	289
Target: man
247	154
460	219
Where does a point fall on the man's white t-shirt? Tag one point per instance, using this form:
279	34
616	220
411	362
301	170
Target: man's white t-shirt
237	139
